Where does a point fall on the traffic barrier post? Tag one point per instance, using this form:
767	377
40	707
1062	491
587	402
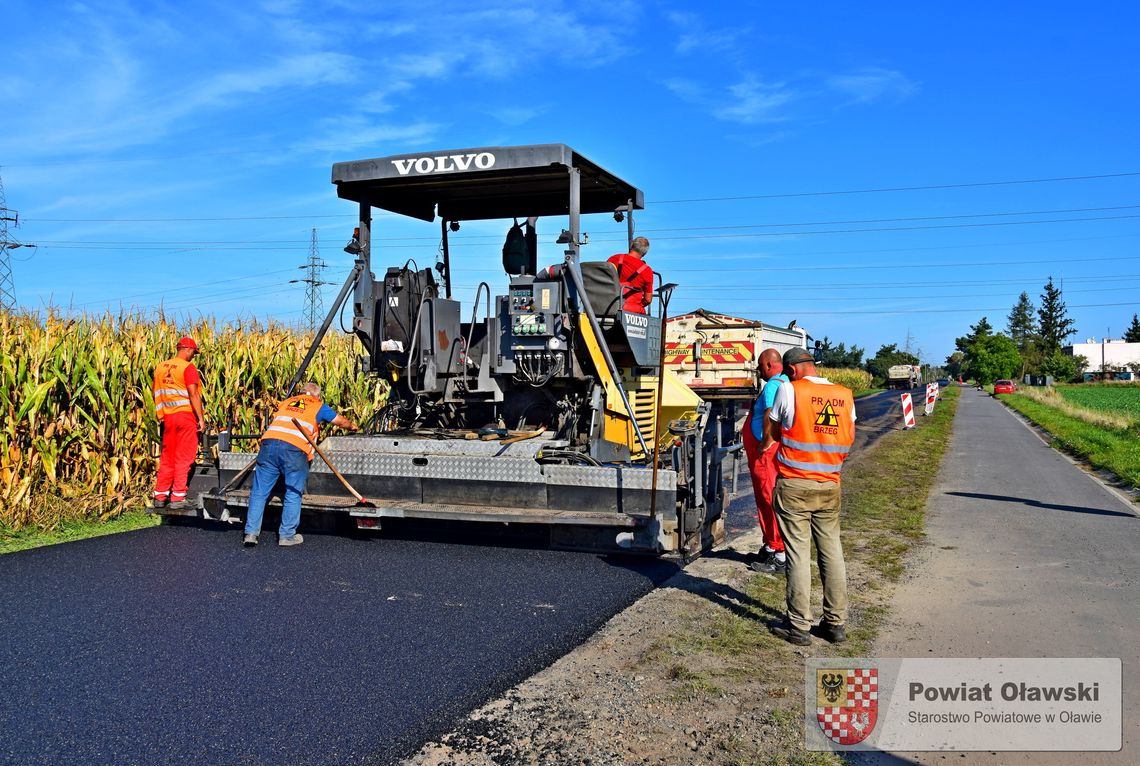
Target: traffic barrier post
931	395
908	411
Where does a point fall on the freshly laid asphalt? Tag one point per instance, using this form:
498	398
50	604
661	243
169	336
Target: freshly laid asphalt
174	645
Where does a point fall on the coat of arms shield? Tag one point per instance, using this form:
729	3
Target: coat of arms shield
847	703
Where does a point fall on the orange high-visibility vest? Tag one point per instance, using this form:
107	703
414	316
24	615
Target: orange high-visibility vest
171	394
304	408
821	435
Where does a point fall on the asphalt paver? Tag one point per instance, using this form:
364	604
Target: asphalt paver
175	645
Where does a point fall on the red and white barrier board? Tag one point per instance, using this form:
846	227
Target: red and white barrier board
931	396
908	411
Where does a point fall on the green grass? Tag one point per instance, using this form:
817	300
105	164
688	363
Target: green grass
1115	450
74	530
1116	398
728	650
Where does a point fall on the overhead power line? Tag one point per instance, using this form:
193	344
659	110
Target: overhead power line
220	245
891	312
314	304
7	244
780	195
927	187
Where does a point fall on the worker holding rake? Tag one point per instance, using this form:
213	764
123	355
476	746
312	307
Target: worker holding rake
286	451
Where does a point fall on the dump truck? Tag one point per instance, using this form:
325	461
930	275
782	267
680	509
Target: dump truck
902	376
544	404
716	355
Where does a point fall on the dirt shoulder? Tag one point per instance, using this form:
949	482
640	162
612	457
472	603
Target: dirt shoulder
647	688
690	674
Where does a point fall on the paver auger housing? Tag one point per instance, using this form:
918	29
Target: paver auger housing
542	404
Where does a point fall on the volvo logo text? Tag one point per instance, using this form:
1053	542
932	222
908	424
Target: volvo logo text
638	320
446	163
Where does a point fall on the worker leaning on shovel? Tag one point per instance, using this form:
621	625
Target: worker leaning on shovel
286	453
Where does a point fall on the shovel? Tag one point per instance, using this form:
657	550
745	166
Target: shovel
360	501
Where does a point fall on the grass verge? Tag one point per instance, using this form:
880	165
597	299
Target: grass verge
1115	450
68	531
723	653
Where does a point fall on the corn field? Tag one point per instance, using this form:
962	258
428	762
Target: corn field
78	436
851	377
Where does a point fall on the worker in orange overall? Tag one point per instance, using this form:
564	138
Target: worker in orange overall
635	275
178	407
813	420
762	465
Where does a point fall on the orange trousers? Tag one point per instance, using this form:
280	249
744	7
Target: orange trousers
179	448
762	468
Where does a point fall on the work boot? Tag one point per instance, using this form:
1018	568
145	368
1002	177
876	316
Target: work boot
792	634
770	563
830	632
182	505
249	541
294	540
158	502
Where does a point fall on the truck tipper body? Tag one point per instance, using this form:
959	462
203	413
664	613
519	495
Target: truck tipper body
903	376
716	355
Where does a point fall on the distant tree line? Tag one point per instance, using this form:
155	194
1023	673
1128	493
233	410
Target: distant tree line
1031	343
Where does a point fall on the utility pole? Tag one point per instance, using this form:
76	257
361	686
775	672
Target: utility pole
314	304
7	284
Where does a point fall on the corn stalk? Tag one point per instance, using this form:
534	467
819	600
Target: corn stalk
78	427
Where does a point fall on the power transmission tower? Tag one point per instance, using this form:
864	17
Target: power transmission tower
314	304
7	284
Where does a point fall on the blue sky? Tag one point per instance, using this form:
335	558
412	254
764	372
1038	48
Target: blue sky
179	154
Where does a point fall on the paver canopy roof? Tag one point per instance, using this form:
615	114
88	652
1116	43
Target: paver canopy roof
477	184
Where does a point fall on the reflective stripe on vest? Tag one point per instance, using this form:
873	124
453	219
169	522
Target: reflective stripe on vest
304	409
171	394
821	434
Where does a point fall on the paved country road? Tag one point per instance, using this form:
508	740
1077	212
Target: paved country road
1028	556
173	645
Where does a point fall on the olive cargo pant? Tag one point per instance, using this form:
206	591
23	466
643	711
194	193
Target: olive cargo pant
809	511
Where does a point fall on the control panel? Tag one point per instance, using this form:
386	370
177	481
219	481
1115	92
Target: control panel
535	309
534	342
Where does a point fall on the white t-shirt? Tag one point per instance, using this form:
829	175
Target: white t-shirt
784	408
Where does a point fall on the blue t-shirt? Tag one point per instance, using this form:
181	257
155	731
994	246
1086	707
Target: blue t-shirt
327	413
764	402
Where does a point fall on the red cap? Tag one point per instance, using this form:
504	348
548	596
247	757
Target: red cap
187	343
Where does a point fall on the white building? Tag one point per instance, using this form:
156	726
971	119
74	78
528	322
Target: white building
1111	353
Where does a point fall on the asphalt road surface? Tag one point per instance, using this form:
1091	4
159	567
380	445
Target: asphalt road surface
1028	556
174	645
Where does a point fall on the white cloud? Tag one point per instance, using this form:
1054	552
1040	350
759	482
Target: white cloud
695	37
753	101
749	101
872	84
356	132
300	71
